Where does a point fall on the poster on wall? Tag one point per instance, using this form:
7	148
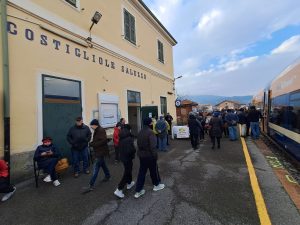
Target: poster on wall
108	110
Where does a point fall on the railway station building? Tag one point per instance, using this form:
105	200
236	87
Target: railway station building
67	58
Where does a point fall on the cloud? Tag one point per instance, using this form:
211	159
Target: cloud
290	45
209	19
216	38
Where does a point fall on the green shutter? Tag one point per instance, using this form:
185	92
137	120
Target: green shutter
160	51
126	25
132	29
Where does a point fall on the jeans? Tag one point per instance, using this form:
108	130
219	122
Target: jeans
80	155
50	168
100	162
255	129
232	133
127	175
162	143
145	164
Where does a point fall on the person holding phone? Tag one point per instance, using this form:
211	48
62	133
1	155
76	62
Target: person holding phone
47	156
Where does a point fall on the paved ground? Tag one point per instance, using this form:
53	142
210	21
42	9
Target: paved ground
202	187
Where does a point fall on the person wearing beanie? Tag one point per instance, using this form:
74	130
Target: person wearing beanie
47	156
101	150
127	153
79	137
147	154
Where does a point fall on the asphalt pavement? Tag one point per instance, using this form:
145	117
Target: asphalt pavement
202	187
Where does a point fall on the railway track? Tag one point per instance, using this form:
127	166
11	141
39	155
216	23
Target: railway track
287	160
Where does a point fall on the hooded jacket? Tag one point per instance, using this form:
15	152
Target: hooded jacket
126	145
99	142
146	142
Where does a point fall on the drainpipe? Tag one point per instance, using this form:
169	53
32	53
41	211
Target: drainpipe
5	68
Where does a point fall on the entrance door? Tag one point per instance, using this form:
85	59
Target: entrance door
149	111
134	111
61	105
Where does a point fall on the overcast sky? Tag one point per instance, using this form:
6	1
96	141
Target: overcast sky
230	47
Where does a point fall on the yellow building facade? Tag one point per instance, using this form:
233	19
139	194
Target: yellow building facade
59	69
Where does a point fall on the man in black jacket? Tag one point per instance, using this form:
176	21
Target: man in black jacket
79	136
101	150
148	159
253	117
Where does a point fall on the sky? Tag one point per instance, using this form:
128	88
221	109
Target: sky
230	47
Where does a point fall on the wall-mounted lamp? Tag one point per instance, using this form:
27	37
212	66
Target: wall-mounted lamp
175	80
95	19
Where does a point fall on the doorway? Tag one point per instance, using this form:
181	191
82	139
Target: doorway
134	111
61	105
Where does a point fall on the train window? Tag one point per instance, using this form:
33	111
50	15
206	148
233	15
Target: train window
295	111
278	111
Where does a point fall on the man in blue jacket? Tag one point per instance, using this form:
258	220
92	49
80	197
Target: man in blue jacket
79	136
232	120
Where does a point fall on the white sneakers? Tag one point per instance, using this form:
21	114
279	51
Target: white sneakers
158	187
139	194
8	195
47	179
129	186
119	193
56	183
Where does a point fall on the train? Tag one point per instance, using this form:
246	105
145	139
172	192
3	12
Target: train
279	103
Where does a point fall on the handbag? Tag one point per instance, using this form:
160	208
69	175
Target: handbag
62	165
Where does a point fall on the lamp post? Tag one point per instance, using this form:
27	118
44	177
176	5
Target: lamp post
95	19
174	84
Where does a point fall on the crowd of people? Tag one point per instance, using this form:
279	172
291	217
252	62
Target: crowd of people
224	123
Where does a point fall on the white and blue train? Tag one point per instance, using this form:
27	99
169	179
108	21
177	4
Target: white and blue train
280	104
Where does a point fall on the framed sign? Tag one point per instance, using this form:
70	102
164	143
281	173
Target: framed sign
108	110
177	103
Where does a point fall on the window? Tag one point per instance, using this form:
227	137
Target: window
134	97
160	51
72	2
129	27
163	105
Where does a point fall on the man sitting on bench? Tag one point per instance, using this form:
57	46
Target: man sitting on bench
47	156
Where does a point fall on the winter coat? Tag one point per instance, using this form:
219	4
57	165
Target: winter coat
161	127
146	142
79	137
126	146
99	143
194	125
3	169
116	136
242	118
216	127
231	119
43	161
254	115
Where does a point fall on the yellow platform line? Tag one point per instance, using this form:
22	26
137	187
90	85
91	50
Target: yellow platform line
259	200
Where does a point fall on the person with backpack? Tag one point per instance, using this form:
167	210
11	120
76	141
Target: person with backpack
127	154
232	120
162	130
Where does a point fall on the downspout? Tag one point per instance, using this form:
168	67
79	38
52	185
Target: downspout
5	68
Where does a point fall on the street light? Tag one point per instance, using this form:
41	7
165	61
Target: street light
95	19
174	82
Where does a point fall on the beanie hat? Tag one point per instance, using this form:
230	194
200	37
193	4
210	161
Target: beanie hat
147	121
94	122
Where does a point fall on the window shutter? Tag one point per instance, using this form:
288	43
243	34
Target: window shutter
132	29
160	51
126	25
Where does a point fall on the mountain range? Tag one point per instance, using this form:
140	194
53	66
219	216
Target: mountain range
213	99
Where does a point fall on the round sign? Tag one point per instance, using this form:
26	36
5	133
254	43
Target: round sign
177	103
